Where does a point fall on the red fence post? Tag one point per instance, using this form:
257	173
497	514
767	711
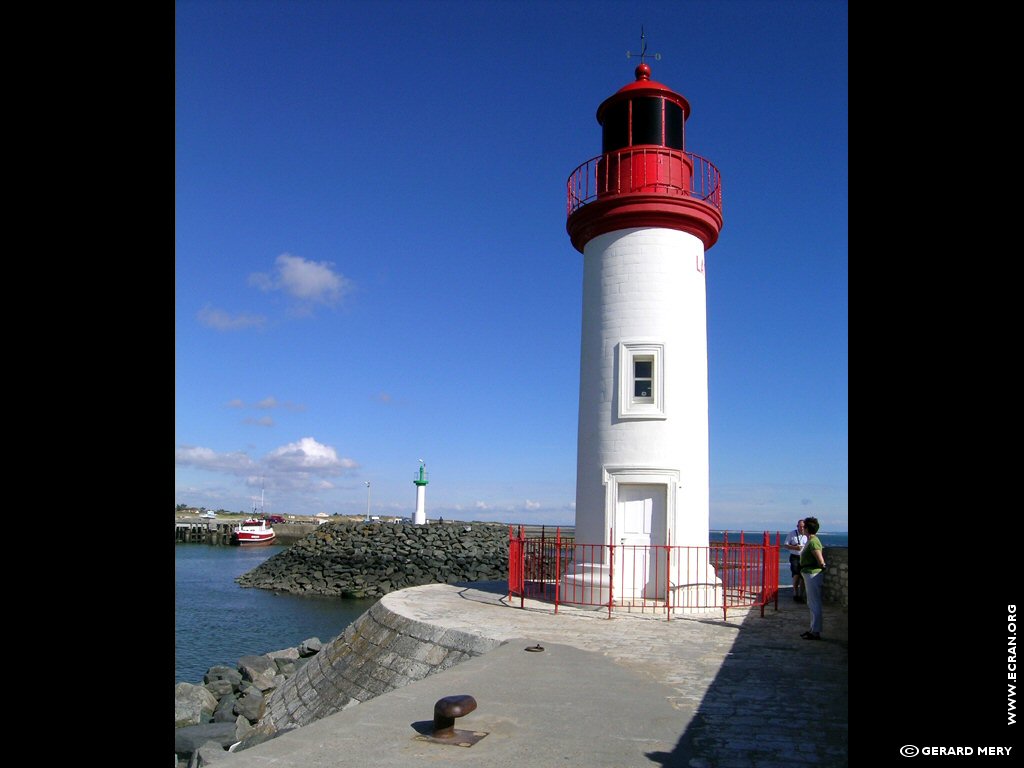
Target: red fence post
743	588
725	575
765	574
543	562
611	569
778	550
668	580
515	563
558	563
522	568
511	562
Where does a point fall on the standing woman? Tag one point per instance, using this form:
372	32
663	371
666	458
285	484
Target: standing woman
812	568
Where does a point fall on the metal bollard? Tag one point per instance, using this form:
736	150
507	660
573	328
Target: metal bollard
445	712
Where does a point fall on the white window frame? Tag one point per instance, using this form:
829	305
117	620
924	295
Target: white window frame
629	408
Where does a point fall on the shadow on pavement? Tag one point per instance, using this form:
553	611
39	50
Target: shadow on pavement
775	695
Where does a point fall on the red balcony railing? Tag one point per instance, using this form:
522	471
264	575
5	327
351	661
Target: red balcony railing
720	576
644	170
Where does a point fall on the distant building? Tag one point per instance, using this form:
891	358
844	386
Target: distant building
420	516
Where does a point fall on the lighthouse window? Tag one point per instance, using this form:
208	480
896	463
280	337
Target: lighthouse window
641	373
642	388
647	121
673	126
642	121
615	128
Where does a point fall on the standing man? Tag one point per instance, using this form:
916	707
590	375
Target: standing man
795	543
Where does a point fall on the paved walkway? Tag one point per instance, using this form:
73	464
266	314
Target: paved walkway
633	690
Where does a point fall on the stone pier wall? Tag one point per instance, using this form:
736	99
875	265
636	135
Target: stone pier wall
381	651
836	587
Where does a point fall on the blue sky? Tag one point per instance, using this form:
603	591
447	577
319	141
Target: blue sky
372	267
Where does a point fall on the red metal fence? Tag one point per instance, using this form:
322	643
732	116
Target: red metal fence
644	169
721	576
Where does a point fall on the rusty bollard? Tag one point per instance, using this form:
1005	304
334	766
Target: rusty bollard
445	712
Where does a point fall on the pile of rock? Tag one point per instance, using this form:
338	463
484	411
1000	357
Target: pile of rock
368	560
211	716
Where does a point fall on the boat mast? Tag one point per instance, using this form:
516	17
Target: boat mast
261	510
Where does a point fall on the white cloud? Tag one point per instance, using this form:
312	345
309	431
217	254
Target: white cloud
307	455
308	282
532	504
236	463
266	404
294	475
220	320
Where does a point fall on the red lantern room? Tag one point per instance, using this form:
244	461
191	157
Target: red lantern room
644	176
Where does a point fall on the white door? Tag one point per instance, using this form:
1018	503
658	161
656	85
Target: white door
640	521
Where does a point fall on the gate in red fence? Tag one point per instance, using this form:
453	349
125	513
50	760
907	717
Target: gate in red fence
676	579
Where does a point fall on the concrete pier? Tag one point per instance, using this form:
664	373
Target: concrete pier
574	688
211	531
202	532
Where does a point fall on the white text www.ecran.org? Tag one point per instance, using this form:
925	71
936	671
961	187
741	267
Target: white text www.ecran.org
1011	664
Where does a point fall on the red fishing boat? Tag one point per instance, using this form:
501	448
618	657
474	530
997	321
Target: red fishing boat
255	530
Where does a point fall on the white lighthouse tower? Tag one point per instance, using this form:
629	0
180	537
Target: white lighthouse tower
643	213
420	516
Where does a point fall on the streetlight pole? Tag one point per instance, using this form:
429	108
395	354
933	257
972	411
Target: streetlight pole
367	502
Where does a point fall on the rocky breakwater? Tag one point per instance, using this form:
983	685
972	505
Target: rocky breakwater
222	710
368	560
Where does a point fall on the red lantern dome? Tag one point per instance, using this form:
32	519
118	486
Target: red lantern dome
644	176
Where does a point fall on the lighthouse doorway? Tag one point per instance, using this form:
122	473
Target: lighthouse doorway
641	519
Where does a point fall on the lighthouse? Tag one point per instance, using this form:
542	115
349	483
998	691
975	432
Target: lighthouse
420	516
643	213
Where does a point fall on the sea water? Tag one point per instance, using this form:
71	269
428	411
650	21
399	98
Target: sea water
217	622
756	537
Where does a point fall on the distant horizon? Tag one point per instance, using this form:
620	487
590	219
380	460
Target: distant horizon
712	529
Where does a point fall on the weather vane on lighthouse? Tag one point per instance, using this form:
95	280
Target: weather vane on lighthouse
643	48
